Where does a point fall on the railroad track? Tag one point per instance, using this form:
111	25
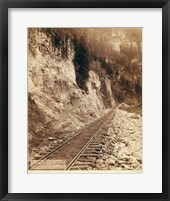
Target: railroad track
80	151
86	158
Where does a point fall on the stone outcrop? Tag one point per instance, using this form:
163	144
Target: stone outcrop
56	103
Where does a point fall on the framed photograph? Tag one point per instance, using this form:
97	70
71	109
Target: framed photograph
84	100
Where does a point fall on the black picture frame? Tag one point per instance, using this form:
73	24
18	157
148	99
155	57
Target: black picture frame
4	5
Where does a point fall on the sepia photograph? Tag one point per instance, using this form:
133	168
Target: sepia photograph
85	100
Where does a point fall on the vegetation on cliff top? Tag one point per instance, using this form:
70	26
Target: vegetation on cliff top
118	52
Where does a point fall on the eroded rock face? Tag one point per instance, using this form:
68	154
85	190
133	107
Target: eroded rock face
56	104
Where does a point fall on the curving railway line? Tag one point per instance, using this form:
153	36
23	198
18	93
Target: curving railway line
79	152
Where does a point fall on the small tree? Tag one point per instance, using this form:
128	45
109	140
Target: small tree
81	62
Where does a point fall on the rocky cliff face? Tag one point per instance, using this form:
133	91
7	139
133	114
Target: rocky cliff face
56	103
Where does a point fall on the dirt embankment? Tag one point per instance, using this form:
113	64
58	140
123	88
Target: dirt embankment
123	145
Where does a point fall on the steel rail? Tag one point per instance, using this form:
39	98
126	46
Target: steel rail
75	159
65	143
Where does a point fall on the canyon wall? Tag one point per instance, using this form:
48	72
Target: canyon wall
56	102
